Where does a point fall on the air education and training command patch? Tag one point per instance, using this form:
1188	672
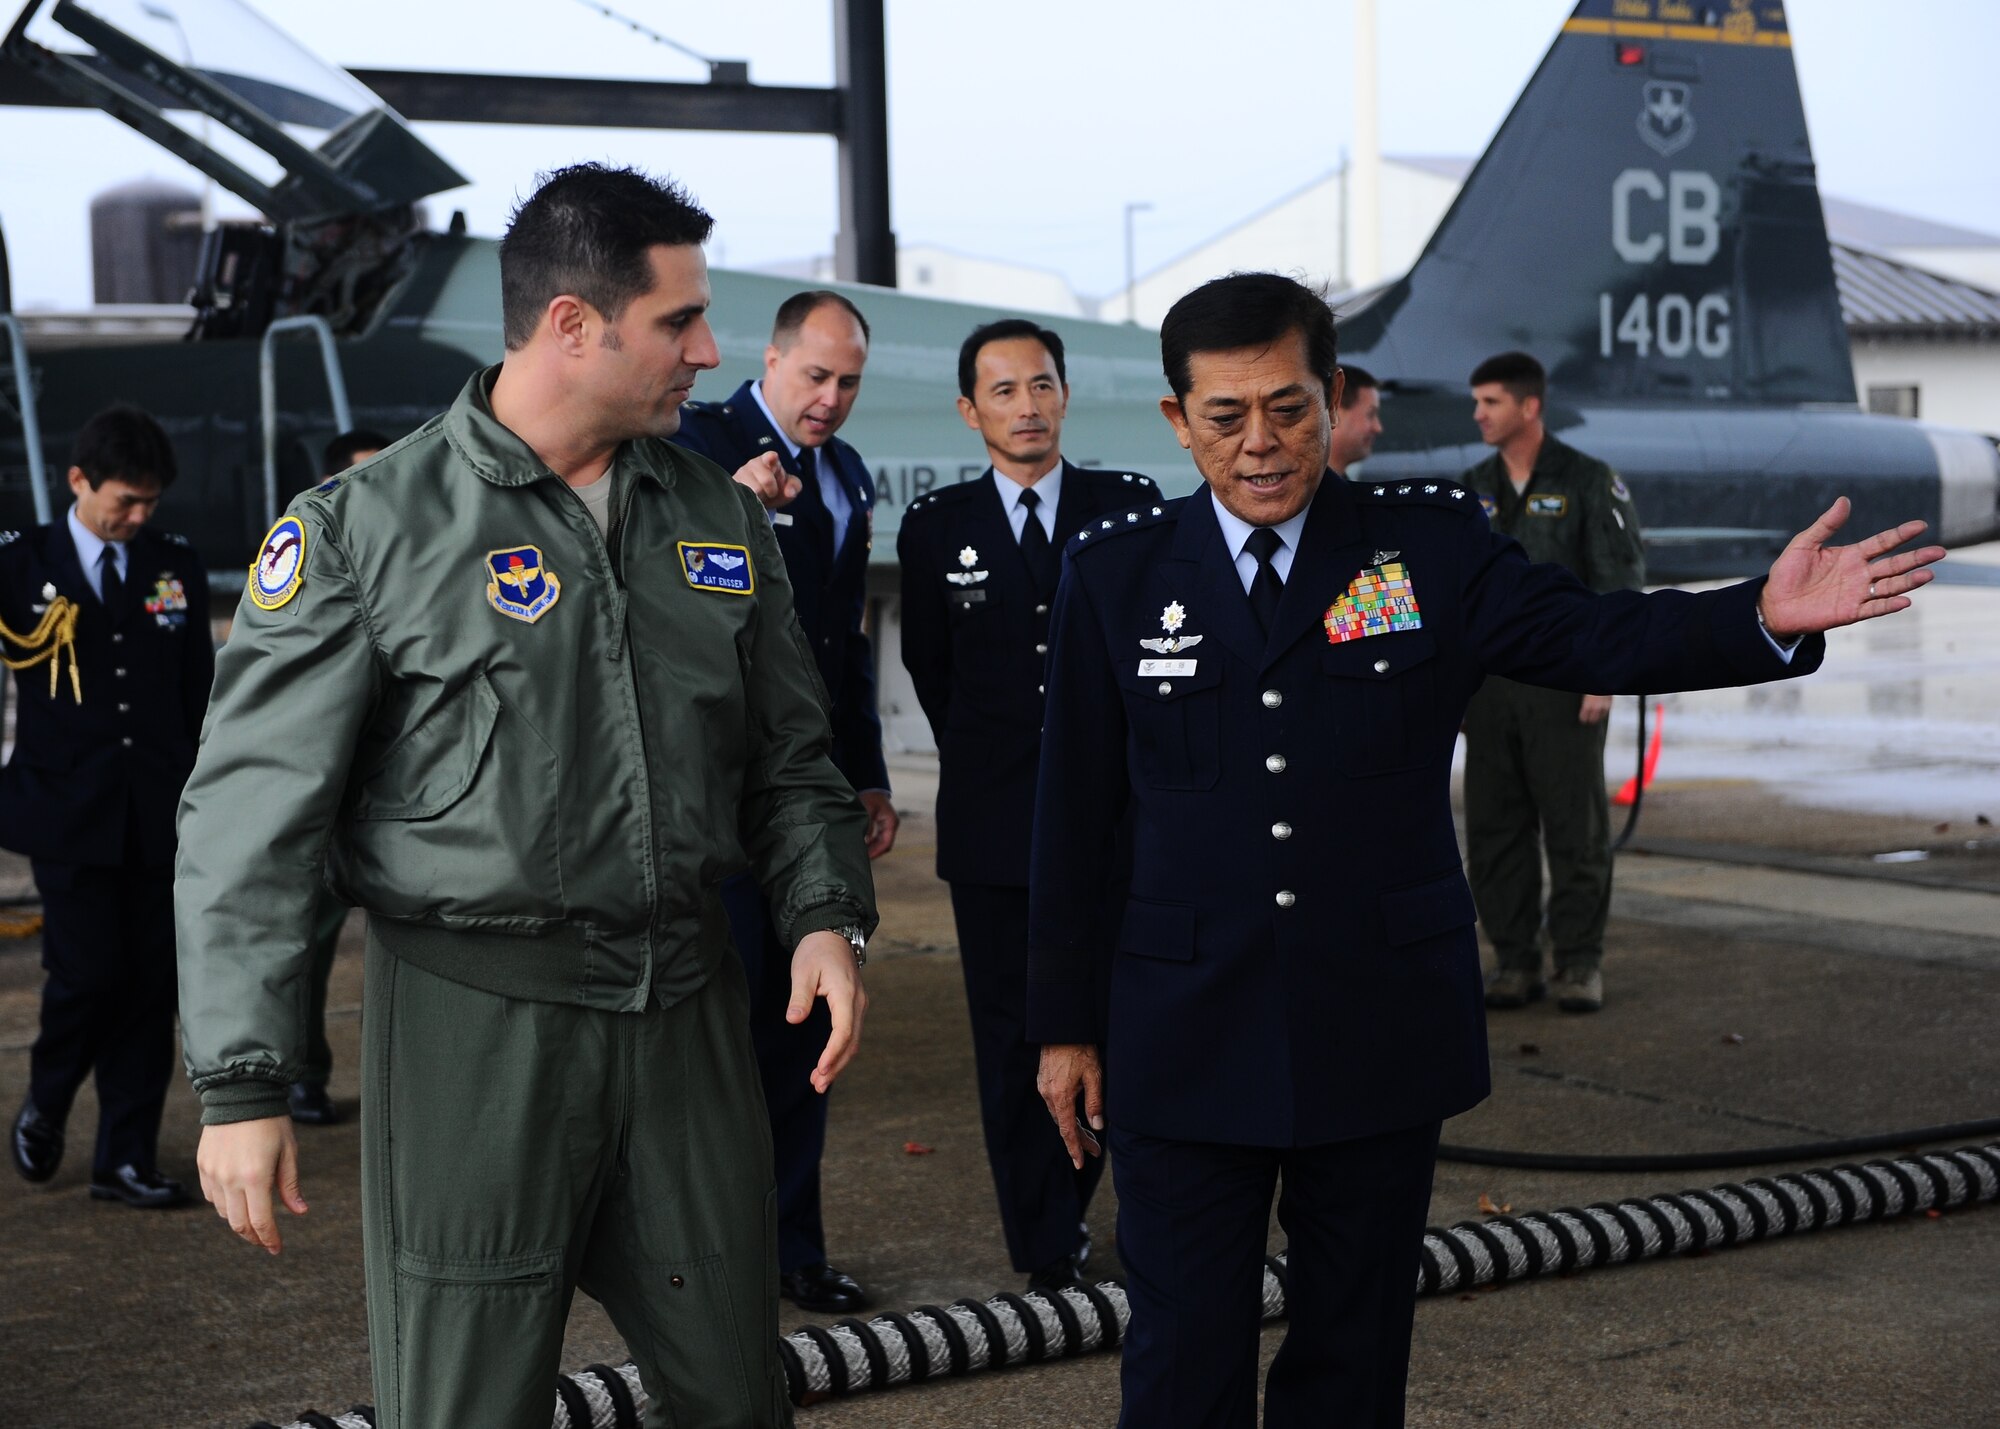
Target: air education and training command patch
280	568
724	569
519	585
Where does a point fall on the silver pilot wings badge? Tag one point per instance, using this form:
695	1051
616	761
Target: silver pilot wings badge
1171	620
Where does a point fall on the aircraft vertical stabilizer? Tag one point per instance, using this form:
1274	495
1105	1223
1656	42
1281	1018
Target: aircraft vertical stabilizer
1646	222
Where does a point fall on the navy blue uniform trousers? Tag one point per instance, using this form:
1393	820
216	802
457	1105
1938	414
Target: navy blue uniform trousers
108	1004
786	1055
1191	1234
1042	1197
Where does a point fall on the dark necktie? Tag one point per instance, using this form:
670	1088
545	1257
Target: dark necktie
813	506
1266	587
108	583
1035	547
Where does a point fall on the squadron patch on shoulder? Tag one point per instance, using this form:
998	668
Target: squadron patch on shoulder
709	565
280	568
519	585
1619	489
1489	506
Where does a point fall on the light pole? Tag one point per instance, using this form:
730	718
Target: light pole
1131	273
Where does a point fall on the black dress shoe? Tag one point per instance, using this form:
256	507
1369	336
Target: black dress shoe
147	1190
822	1289
310	1104
1057	1275
37	1143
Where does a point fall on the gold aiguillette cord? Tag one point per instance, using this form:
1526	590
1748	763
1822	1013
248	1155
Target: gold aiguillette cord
48	643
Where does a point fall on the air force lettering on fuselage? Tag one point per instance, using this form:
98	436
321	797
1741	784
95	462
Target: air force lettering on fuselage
1676	215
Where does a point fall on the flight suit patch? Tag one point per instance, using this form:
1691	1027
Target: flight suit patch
1378	601
1619	489
1489	506
1548	505
280	568
519	584
711	566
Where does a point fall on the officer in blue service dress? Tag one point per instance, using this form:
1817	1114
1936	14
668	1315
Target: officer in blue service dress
979	562
105	622
1268	678
778	435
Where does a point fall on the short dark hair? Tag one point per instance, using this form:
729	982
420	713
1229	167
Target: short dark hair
341	451
1518	372
1002	331
1247	310
122	443
1359	380
793	312
586	231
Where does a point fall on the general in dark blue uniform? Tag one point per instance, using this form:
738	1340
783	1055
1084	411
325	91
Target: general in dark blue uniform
1267	679
979	567
105	734
778	435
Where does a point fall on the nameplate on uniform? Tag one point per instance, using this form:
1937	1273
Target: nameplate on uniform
1148	668
781	518
712	566
1548	505
970	597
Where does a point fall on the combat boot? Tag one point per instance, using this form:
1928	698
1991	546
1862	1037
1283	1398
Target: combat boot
1578	990
1515	987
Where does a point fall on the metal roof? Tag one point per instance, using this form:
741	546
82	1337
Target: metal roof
1881	296
1872	227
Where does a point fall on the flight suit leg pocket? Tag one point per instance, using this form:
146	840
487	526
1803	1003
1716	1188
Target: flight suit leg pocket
479	1340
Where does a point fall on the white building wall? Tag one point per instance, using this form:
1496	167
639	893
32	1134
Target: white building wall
1957	382
941	273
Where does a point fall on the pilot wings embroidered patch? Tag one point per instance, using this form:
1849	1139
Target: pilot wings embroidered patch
711	566
1377	601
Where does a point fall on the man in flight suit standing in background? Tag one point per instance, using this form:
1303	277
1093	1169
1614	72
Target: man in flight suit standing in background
530	683
980	561
111	697
1534	758
778	435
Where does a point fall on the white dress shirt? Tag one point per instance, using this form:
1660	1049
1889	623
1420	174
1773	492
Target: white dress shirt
832	491
1236	533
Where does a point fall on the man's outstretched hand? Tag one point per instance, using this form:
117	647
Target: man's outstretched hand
1815	587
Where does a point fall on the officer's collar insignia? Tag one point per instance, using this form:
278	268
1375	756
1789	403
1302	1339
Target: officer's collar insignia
1378	601
1171	620
519	584
968	558
280	568
709	565
763	441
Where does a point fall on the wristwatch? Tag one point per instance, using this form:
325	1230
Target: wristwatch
857	940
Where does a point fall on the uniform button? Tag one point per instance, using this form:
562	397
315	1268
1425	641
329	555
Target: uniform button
119	672
1272	699
676	1282
1281	830
126	741
1286	898
1041	649
118	639
1381	667
1041	610
124	709
1166	687
1276	764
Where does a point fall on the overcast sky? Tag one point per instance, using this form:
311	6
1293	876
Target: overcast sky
1021	131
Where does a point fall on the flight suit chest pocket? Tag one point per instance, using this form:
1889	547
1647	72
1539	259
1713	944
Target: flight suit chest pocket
429	769
1380	698
1176	724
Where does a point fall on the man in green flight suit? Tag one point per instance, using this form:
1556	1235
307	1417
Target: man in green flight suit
530	687
1534	763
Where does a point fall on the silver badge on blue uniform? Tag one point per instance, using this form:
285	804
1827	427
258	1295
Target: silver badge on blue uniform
967	558
1172	643
519	584
709	565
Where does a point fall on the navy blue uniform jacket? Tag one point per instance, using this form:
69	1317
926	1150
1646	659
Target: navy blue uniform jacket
98	782
1297	963
974	649
829	595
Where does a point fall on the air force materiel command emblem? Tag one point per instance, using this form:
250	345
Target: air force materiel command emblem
519	585
1666	122
281	565
726	569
